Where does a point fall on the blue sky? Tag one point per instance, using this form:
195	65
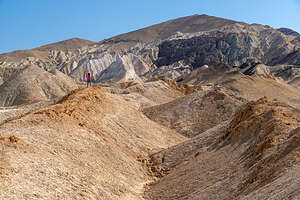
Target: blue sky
27	24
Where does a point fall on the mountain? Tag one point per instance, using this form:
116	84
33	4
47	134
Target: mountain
43	51
288	31
234	45
188	24
173	48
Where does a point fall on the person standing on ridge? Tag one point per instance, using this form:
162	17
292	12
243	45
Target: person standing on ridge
88	80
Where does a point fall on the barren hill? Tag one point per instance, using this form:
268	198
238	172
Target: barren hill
85	147
32	83
70	44
43	51
255	87
195	113
260	81
188	24
256	156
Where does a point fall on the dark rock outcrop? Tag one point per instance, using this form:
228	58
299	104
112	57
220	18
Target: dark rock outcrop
288	31
219	47
243	47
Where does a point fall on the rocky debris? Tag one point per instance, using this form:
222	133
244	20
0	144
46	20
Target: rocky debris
156	171
199	144
270	130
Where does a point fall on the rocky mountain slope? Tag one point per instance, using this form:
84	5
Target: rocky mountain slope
289	73
254	87
288	31
172	49
233	44
259	81
189	24
150	93
43	51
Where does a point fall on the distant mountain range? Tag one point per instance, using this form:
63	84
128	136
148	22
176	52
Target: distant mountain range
171	49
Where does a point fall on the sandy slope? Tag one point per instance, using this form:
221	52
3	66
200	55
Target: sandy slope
255	87
147	94
195	113
253	156
84	147
31	83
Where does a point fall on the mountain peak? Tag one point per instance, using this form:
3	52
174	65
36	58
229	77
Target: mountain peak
72	43
187	24
288	31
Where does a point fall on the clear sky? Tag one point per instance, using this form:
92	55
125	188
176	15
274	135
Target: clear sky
26	24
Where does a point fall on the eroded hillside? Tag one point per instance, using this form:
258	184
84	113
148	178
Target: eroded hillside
253	156
84	147
198	107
